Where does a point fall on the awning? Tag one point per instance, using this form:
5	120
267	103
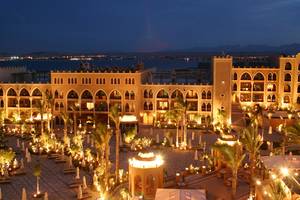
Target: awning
128	119
180	194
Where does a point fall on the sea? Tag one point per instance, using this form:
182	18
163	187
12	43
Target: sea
64	64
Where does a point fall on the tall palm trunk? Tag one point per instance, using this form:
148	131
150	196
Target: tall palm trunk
37	184
106	165
184	130
252	173
75	122
177	135
117	152
234	183
65	128
42	123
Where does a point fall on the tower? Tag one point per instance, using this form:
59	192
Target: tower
222	91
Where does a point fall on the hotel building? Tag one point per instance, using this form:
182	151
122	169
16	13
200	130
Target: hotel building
93	92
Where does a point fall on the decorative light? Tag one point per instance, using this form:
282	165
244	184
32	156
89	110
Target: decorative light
156	162
284	171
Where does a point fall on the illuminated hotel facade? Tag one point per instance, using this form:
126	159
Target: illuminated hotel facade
93	92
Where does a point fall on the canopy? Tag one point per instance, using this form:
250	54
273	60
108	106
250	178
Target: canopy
276	162
180	194
128	119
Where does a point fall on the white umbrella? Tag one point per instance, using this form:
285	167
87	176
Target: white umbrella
84	185
18	143
70	162
23	146
28	158
196	155
79	193
77	173
46	196
157	138
24	195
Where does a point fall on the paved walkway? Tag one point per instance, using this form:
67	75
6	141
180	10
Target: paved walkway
53	181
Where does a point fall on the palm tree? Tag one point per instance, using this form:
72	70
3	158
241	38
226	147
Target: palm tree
2	117
181	106
102	136
115	116
50	104
252	142
233	158
67	120
291	135
277	190
42	106
174	115
74	109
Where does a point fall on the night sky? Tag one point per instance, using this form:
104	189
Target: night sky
144	25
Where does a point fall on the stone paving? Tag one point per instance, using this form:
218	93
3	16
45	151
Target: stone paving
53	181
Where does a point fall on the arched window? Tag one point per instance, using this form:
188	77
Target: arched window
56	94
150	106
132	95
271	87
287	77
72	95
37	93
234	87
133	81
24	92
270	77
146	95
246	76
273	98
11	92
129	81
208	107
177	94
145	106
298	100
86	95
208	95
61	105
274	77
286	99
150	94
203	95
298	89
101	95
191	94
235	76
1	92
259	77
203	107
115	95
288	66
162	94
299	66
287	88
126	95
56	106
299	78
269	99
